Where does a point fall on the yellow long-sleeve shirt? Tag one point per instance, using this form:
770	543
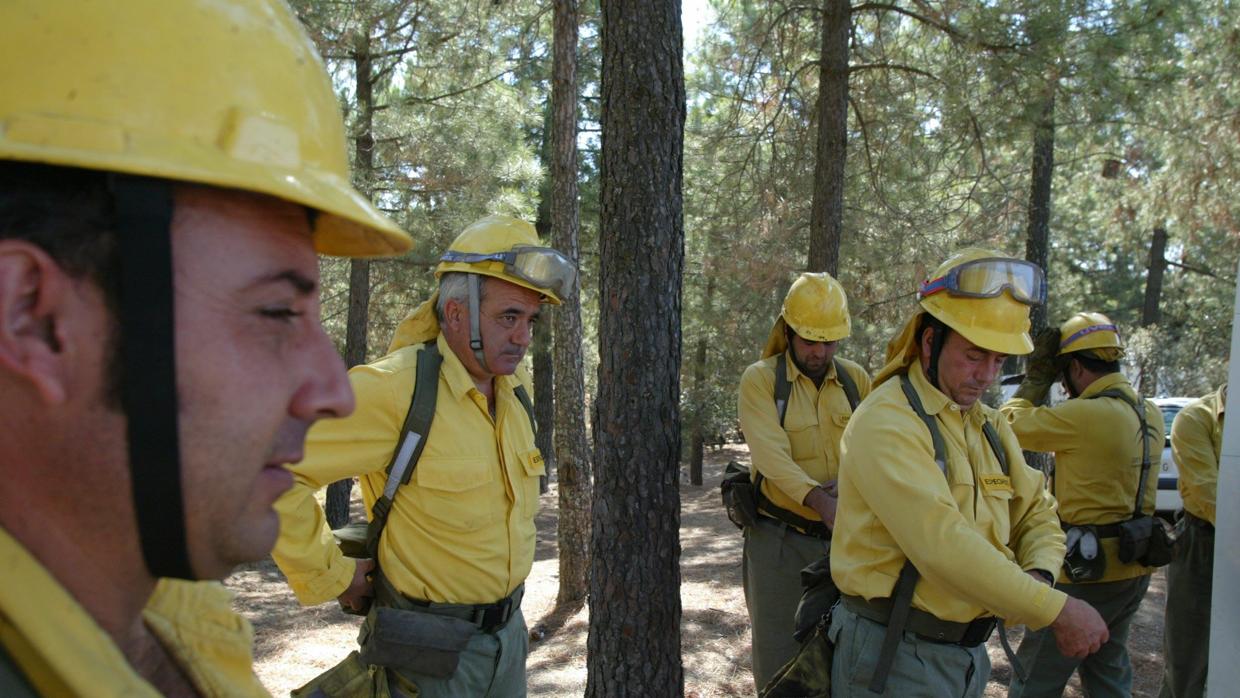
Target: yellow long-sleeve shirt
1097	458
805	451
62	651
971	535
462	529
1196	445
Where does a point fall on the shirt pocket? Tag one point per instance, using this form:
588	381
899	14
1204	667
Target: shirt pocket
996	504
455	493
534	468
804	441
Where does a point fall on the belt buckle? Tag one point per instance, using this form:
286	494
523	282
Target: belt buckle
496	615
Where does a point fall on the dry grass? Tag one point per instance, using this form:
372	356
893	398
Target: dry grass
293	644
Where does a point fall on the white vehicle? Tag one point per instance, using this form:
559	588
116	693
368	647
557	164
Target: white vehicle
1168	501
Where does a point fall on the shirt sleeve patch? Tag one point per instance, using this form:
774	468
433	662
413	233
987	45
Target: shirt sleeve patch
996	483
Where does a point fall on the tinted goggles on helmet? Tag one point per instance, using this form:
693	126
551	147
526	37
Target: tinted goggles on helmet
988	278
541	267
1089	330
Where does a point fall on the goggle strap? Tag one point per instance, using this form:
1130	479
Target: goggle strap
1087	331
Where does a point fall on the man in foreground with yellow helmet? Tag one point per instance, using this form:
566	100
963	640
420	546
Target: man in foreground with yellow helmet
793	434
942	530
459	536
1196	446
1105	438
168	171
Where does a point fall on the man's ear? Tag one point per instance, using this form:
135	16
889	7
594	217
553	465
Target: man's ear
454	314
33	292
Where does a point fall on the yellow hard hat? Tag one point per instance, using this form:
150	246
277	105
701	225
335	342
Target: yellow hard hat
1091	332
508	248
986	297
228	94
816	308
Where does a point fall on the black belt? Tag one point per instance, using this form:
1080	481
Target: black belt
489	617
926	625
1110	530
1197	521
799	524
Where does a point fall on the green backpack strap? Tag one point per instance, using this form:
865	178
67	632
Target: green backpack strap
849	385
12	681
412	441
1145	442
524	398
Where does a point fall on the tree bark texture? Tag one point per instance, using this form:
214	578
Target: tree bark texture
634	641
1037	236
826	226
544	340
544	400
572	451
697	443
336	505
1151	313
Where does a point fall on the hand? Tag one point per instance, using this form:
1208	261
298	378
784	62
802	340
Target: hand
821	500
1079	630
1042	368
361	590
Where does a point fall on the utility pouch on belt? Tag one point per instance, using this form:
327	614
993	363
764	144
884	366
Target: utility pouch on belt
818	595
420	643
1085	561
740	497
1145	540
351	678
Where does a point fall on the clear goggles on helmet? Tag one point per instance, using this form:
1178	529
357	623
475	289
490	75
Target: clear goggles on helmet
541	267
988	278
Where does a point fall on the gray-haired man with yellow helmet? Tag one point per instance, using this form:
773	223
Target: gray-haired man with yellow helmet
459	538
1101	438
942	529
794	440
168	171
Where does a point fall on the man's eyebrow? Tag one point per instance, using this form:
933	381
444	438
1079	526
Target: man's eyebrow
303	284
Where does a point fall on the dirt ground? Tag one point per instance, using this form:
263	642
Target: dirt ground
293	644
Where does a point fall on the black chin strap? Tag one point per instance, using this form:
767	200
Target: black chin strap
148	386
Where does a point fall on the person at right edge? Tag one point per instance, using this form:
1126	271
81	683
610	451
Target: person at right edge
939	515
1196	444
1097	440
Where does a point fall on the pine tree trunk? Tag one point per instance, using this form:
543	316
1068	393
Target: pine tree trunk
697	443
827	210
1151	313
634	641
1037	235
572	451
544	400
336	506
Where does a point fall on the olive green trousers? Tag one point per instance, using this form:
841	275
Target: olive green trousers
773	559
921	668
1186	625
1106	673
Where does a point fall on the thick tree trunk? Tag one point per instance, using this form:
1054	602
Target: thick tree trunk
697	442
1151	313
826	226
634	641
336	506
572	451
